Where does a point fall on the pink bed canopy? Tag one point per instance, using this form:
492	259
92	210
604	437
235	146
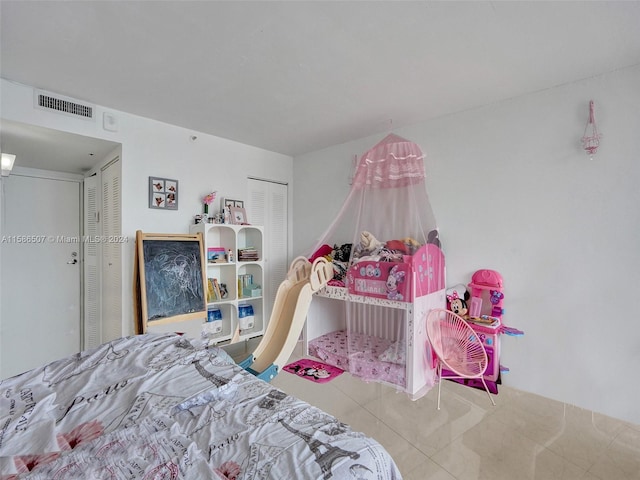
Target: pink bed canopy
388	197
388	221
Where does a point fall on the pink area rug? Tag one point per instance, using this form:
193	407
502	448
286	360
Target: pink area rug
313	370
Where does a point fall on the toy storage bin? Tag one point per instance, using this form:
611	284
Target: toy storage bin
245	316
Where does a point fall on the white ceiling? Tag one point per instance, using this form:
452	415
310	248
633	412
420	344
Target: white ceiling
44	148
294	77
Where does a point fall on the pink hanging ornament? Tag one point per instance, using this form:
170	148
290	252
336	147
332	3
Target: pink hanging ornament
591	137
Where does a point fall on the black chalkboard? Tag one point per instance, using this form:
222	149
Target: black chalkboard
171	280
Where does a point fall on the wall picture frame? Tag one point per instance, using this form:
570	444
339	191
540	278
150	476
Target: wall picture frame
238	216
163	193
230	202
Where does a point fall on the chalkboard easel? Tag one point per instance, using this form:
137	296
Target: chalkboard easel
169	283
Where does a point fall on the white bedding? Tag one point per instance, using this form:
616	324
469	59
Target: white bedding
162	407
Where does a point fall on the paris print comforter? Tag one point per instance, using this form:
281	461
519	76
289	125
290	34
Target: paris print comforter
163	407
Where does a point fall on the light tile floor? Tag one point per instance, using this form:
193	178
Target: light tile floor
524	436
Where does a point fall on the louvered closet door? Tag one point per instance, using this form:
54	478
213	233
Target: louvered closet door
92	330
111	253
268	206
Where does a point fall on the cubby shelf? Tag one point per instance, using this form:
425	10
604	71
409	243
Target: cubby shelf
234	238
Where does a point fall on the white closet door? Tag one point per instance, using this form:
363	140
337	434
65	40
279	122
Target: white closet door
268	206
92	330
111	252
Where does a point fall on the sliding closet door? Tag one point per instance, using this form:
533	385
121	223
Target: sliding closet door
268	206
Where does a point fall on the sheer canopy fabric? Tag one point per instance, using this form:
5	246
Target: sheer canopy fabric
392	163
388	197
385	218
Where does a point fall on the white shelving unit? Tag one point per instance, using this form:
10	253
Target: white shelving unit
234	238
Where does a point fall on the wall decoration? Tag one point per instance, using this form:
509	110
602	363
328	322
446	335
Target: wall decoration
229	203
238	216
163	193
591	137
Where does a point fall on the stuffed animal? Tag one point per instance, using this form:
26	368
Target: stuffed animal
368	245
412	245
394	278
340	259
323	251
341	253
457	298
368	242
339	270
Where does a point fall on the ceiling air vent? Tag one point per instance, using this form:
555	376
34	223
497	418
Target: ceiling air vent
68	106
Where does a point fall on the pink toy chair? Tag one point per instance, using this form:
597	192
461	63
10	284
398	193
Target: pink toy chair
457	348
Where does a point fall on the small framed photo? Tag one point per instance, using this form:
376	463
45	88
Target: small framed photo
238	216
163	193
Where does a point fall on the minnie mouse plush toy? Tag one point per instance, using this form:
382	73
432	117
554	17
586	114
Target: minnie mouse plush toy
457	298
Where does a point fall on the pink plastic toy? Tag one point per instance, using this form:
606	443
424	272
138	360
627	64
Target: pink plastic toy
485	318
486	286
487	297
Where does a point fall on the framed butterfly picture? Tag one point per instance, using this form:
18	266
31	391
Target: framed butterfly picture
163	193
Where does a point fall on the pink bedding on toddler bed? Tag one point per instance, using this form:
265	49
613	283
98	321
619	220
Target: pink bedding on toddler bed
364	360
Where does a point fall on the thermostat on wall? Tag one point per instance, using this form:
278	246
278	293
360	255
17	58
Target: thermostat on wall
109	122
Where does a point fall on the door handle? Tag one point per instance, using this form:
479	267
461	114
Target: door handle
72	262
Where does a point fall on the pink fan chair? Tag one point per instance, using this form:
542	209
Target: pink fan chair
457	348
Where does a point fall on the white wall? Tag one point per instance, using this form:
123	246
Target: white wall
513	191
151	148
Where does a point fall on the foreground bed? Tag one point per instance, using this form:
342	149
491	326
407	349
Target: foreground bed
162	407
